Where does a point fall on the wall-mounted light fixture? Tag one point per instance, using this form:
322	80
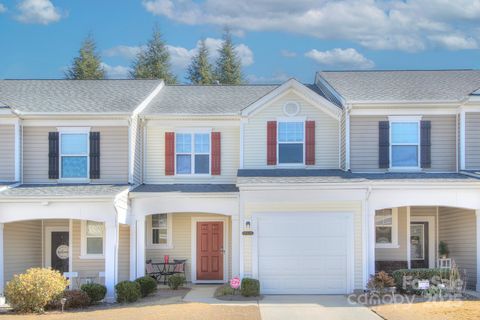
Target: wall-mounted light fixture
247	224
247	231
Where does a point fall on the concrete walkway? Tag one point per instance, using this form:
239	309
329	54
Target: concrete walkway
316	307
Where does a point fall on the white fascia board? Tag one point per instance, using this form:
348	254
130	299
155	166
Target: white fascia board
332	90
148	99
76	122
403	111
306	93
424	103
26	115
193	123
209	195
175	116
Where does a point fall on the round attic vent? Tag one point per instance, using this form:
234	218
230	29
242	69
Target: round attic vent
291	108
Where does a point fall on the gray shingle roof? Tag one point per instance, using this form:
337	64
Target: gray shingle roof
75	96
398	86
62	190
214	99
186	188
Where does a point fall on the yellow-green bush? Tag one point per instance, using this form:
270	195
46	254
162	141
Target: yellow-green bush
33	290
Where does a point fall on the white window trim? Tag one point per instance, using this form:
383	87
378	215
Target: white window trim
73	130
192	154
291	119
394	244
150	244
397	119
83	247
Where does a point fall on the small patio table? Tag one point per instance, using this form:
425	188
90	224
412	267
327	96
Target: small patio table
165	269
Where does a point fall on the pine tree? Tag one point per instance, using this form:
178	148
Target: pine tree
200	69
228	65
87	65
154	61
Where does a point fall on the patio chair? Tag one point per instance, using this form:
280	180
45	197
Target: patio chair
151	271
179	267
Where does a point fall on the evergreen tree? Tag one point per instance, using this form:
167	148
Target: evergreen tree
87	65
228	66
200	69
154	61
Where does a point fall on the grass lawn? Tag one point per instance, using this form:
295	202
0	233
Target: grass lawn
448	310
178	311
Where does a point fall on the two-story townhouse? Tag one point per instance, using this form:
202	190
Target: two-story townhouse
66	145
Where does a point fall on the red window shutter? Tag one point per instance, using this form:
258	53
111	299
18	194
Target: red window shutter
309	142
271	143
216	153
169	153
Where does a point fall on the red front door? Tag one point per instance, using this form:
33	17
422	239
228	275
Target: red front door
210	250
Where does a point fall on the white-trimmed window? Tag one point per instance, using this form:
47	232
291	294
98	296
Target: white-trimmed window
386	228
74	153
291	142
159	228
192	153
93	235
405	142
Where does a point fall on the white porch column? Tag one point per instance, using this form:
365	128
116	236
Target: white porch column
1	259
235	246
133	250
111	235
477	216
371	242
140	222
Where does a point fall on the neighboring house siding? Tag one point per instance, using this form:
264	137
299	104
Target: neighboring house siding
472	140
326	133
136	136
400	253
155	157
182	241
22	247
124	253
113	154
7	153
364	143
457	227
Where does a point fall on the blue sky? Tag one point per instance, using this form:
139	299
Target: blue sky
275	39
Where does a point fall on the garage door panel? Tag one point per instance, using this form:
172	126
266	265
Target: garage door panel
304	253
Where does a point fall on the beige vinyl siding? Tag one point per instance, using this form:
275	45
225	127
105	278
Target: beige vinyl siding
22	247
457	227
113	158
124	252
399	253
84	267
155	157
364	143
182	240
423	211
326	133
328	206
472	140
7	153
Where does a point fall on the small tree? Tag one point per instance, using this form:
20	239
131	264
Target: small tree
154	61
87	65
200	69
228	66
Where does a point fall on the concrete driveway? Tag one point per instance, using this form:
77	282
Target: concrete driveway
316	307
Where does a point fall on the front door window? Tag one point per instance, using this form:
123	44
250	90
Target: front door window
419	244
60	251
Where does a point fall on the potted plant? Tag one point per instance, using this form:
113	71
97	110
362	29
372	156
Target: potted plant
443	249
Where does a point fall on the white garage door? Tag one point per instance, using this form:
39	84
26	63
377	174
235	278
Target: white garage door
307	253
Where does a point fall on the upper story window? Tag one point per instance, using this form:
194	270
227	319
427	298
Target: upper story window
192	152
405	144
74	153
291	142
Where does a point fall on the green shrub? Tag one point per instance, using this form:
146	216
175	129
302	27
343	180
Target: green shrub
406	279
176	281
250	287
224	290
33	290
127	291
74	299
95	291
148	285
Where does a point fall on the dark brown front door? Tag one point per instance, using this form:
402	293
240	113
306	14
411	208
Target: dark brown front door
59	251
419	244
210	250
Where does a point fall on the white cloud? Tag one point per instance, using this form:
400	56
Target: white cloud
2	8
341	58
408	25
128	52
288	54
38	11
455	42
116	72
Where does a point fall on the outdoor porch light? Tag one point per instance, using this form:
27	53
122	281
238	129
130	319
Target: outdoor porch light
247	224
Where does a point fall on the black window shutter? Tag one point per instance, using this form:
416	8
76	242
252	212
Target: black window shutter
53	154
383	144
94	155
425	144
